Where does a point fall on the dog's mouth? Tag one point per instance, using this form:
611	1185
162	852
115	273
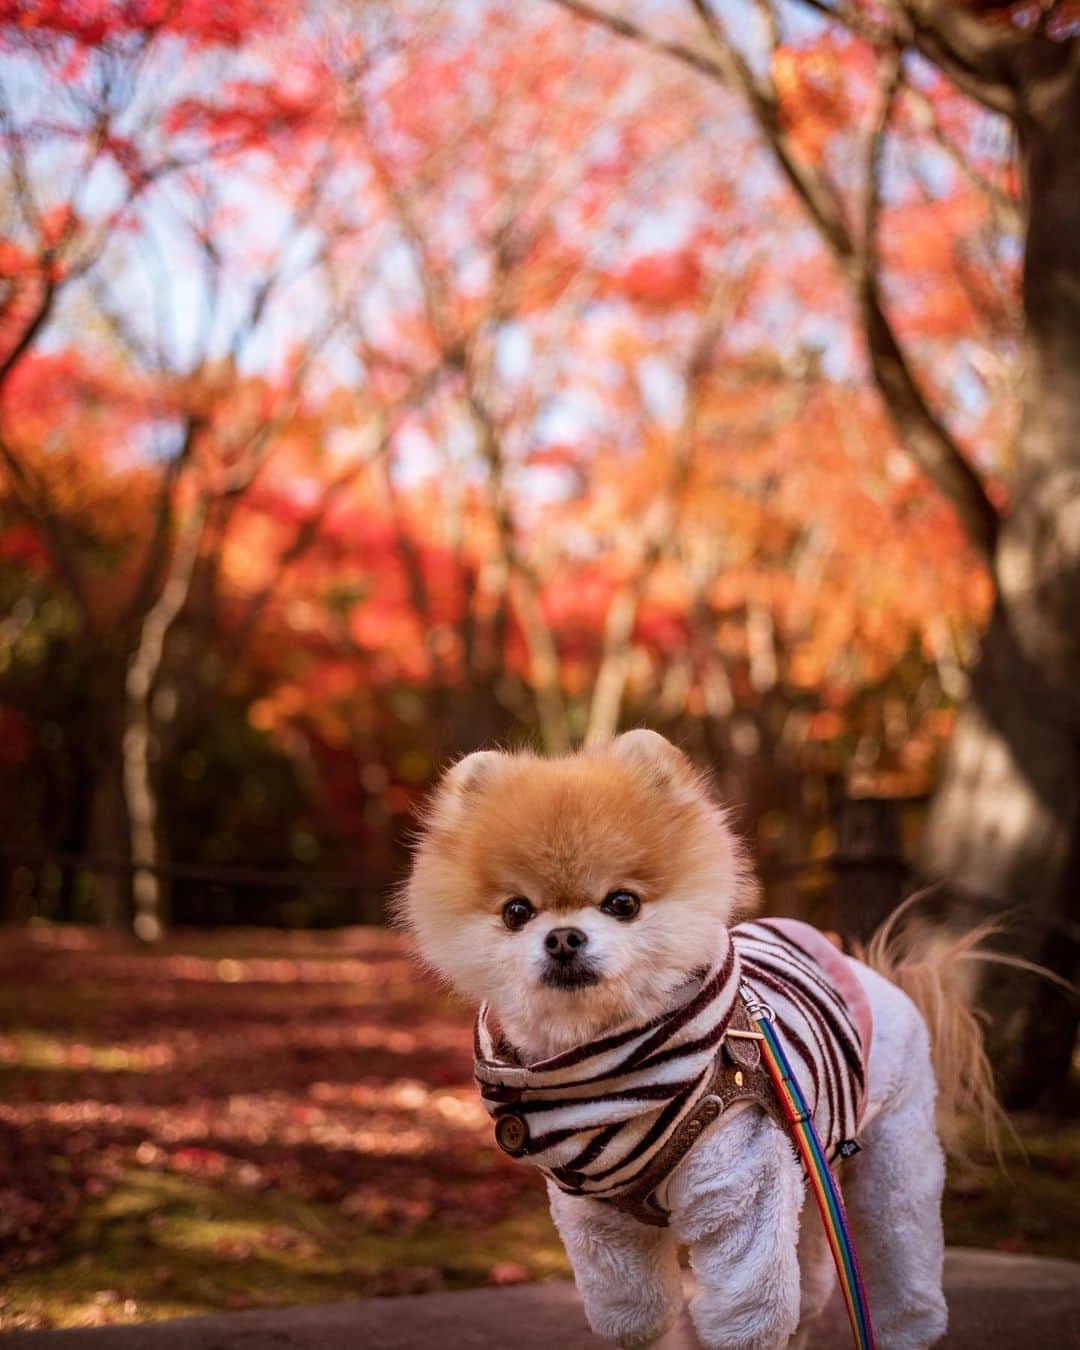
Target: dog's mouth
570	977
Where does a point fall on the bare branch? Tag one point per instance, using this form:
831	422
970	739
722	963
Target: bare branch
154	558
37	321
921	430
891	71
308	532
854	20
770	21
1004	206
626	28
275	276
978	56
458	350
811	184
968	52
20	175
621	617
431	283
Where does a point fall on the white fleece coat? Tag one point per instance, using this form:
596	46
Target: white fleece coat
738	1201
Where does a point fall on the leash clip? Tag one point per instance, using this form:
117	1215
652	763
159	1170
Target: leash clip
754	1006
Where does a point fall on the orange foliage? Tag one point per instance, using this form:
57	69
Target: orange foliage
479	209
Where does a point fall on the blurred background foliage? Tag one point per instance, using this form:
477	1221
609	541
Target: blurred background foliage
383	381
380	381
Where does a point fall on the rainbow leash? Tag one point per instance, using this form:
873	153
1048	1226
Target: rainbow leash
826	1191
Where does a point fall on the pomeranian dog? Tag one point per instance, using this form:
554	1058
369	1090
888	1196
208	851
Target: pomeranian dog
587	903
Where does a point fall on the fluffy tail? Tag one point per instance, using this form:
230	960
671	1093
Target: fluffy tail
929	969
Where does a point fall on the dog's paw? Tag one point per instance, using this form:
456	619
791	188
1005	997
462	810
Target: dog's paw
680	1337
640	1326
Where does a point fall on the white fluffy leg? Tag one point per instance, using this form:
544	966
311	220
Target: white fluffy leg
892	1191
627	1272
736	1201
817	1274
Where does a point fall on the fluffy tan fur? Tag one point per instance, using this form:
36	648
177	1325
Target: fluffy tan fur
564	833
926	967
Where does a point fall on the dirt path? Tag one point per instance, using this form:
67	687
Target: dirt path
996	1302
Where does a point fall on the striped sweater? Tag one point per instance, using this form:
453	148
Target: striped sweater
595	1117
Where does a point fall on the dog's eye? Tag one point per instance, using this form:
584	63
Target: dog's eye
621	904
517	912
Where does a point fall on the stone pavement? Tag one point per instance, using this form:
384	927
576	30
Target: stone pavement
996	1302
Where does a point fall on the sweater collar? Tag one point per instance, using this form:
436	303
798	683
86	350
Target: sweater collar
578	1109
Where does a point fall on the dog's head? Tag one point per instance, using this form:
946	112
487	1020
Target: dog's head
573	894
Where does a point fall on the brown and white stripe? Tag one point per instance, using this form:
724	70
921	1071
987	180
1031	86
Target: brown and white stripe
595	1116
822	1016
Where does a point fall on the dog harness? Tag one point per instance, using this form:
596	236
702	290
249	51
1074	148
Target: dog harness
779	1020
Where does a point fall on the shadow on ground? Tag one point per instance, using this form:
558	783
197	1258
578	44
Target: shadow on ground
246	1119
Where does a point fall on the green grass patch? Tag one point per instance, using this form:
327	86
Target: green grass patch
1033	1205
162	1246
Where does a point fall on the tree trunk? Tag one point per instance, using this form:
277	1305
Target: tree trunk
871	876
1002	831
140	787
105	840
605	707
543	665
1038	558
1005	823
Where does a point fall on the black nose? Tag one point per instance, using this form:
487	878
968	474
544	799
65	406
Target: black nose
563	943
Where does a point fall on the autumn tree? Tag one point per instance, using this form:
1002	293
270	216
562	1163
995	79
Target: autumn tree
515	214
1006	817
614	426
126	189
389	412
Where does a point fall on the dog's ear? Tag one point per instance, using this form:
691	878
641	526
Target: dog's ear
462	780
648	750
472	772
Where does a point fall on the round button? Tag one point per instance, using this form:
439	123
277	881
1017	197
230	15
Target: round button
511	1134
711	1109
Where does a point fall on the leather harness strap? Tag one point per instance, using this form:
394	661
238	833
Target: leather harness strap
738	1076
